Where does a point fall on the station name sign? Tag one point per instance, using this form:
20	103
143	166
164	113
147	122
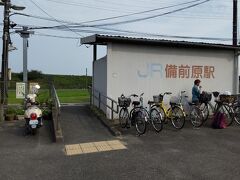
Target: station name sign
173	71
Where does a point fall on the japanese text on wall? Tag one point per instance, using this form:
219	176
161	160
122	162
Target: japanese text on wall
186	71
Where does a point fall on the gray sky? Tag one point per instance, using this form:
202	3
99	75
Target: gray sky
66	56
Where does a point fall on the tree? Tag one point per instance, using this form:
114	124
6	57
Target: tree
32	75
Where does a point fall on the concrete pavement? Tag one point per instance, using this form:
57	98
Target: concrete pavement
203	153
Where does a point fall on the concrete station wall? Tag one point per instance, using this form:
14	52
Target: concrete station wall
153	70
100	79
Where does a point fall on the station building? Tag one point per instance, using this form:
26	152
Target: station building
153	66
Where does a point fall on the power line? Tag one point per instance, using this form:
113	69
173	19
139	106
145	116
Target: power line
109	18
124	22
130	33
55	36
53	17
141	12
150	17
87	6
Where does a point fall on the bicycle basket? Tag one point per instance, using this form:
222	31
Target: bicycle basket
124	102
205	97
174	100
227	98
157	98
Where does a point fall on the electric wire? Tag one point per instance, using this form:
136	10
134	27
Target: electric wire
126	21
151	17
53	17
109	18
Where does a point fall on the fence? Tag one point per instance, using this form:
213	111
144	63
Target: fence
56	111
106	101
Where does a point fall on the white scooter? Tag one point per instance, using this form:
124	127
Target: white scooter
33	114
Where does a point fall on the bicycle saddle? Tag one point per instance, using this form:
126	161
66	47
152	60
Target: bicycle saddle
136	103
173	104
191	104
151	102
216	94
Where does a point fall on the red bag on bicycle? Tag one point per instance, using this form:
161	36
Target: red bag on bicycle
219	121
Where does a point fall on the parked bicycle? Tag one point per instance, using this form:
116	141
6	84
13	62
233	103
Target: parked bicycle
191	110
175	113
138	115
223	104
127	119
236	108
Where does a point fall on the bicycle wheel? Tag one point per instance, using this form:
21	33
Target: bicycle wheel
140	121
196	116
205	110
163	114
228	112
237	113
177	117
123	117
156	119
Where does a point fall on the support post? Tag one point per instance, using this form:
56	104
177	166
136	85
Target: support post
93	70
235	23
235	43
25	34
112	110
25	61
236	73
99	100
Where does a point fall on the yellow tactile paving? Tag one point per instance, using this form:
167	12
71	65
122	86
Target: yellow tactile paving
72	146
101	146
72	152
90	150
114	142
118	147
87	145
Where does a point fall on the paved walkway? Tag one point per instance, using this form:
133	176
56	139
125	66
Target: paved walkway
79	125
187	154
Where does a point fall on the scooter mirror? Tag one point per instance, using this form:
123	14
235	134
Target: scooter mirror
37	86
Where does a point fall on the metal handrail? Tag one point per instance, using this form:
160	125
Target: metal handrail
56	98
95	94
56	109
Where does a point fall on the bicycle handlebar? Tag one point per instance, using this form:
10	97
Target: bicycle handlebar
182	92
168	93
134	95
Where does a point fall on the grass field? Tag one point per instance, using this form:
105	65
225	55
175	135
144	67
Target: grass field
73	95
65	96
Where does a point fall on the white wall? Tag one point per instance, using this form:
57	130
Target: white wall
100	79
137	69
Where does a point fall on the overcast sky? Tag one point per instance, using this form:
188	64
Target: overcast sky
66	56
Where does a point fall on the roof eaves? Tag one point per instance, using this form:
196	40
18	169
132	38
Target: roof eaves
104	39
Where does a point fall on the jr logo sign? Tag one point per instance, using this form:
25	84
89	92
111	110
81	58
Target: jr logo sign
153	69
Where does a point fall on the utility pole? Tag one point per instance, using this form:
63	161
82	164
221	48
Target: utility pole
4	72
235	23
86	79
235	44
5	38
5	48
25	34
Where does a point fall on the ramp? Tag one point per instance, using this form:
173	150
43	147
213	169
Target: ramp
79	125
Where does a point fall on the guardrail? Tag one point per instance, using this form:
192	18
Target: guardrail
56	111
103	100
